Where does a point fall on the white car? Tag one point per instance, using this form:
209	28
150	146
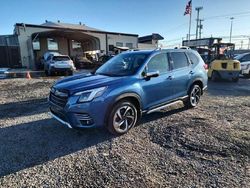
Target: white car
244	63
59	63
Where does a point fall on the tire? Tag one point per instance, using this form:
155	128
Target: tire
235	79
194	96
50	73
122	118
70	73
215	76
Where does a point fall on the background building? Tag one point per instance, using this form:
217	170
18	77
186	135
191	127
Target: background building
149	41
67	39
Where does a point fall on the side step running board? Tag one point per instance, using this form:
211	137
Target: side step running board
164	106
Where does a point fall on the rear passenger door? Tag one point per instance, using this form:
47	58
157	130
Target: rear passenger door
181	71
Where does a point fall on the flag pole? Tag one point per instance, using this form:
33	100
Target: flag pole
190	20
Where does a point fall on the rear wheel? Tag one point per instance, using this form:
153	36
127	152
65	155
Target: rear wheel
193	96
235	79
50	73
122	118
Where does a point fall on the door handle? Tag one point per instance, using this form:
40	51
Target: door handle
169	77
191	72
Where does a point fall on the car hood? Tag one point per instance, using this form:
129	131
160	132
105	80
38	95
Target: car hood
245	63
84	82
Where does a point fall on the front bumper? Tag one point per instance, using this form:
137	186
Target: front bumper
82	115
245	71
60	120
56	69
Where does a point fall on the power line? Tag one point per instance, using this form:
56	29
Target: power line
227	15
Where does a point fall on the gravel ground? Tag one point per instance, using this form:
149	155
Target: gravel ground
208	146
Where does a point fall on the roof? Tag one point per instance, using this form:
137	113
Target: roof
75	27
154	36
70	26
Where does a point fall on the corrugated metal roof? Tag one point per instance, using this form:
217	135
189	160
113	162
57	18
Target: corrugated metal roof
75	27
70	26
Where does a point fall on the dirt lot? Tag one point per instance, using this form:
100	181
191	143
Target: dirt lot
208	146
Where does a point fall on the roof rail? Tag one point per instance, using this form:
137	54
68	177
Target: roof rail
157	49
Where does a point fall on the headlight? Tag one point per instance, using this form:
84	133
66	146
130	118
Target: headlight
243	66
89	95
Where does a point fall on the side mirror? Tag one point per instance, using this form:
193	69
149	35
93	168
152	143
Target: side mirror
152	74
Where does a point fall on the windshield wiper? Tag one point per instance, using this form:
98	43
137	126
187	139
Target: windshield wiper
104	74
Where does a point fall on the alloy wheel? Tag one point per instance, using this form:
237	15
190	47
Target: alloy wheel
124	118
195	95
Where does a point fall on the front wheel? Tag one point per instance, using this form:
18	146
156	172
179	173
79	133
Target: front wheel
193	96
122	118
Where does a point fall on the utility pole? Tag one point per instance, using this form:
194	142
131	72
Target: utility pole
231	29
198	9
241	44
200	27
248	43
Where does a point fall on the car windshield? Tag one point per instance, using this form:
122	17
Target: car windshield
238	57
123	64
61	58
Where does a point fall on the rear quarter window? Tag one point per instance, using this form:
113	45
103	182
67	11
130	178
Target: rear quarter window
193	58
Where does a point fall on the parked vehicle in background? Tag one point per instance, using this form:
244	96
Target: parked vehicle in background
44	58
244	63
127	86
82	62
222	65
59	64
103	59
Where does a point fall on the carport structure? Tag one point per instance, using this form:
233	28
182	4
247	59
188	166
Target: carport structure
67	39
67	42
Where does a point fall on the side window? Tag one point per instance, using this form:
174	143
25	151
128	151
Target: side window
193	58
158	63
179	60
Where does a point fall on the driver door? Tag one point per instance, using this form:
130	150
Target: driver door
157	90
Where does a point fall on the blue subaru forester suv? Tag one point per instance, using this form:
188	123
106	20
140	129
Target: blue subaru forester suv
127	86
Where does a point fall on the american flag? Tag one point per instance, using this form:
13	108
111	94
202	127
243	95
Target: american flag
188	8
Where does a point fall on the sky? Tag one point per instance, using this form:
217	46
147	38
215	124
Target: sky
141	17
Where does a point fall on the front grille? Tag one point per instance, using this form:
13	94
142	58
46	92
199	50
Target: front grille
58	114
58	100
84	118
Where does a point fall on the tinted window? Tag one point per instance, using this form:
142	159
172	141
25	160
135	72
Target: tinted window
61	58
158	63
193	58
179	60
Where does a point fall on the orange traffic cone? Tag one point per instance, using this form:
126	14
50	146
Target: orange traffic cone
28	75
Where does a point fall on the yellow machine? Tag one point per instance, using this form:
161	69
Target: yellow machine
216	55
222	66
